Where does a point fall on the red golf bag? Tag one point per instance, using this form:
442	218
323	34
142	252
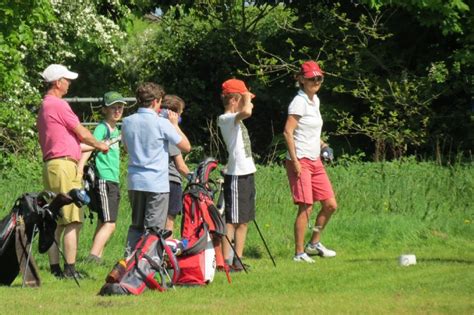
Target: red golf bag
203	227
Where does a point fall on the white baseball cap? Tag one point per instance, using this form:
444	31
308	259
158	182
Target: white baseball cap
55	72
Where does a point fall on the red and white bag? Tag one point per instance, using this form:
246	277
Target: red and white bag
203	227
197	264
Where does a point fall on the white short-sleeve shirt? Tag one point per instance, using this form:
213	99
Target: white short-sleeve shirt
237	141
307	135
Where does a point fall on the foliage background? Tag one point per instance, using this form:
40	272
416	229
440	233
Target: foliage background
398	73
399	82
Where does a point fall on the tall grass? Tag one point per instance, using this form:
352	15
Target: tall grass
382	205
392	204
385	209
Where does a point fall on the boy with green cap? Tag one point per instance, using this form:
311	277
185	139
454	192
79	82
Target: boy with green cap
107	190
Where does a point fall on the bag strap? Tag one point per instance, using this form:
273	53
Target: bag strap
107	134
149	279
173	261
199	245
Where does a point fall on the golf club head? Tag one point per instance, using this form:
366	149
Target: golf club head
45	197
164	234
327	154
79	197
58	202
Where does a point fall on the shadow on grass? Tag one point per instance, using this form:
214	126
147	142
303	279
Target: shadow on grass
419	260
447	260
253	251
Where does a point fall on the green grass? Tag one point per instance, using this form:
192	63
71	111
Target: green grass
385	210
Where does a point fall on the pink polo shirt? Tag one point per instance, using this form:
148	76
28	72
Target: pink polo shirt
55	124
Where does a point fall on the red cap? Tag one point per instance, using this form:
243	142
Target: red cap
234	86
311	69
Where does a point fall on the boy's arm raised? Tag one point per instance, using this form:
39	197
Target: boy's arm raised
183	145
247	107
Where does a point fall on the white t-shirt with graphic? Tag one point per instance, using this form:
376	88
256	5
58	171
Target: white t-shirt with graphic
236	138
307	135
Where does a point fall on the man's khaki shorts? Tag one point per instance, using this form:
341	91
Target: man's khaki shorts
62	176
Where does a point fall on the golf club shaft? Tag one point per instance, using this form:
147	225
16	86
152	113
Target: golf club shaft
117	139
64	257
264	243
235	253
220	199
28	258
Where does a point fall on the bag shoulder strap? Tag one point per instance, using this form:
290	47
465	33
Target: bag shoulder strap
93	156
200	244
107	134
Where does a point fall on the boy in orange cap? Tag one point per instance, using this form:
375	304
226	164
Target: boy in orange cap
239	182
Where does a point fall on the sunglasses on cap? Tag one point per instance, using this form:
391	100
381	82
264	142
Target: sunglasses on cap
316	79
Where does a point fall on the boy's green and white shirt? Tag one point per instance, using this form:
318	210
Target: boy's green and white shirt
237	140
246	139
108	165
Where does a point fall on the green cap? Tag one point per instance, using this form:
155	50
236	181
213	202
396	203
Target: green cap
113	97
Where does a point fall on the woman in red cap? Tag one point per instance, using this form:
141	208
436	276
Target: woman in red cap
308	179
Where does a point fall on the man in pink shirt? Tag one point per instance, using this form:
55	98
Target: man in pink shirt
60	137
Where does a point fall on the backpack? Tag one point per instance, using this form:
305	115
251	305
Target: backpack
91	178
152	258
203	227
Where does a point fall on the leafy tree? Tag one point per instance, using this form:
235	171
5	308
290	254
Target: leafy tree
398	73
190	50
35	34
392	72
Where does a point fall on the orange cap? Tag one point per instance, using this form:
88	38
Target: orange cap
234	86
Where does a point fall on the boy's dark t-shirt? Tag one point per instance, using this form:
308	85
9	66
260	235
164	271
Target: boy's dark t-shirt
174	175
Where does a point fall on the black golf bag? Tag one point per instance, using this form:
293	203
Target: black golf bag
31	214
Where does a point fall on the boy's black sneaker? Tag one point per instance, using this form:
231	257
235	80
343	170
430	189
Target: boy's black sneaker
72	275
58	274
238	266
56	271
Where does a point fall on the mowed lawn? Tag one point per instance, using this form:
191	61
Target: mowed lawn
385	210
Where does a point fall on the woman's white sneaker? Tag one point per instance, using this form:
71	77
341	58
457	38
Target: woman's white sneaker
319	249
303	258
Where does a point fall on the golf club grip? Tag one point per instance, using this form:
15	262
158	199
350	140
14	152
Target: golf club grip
114	141
220	200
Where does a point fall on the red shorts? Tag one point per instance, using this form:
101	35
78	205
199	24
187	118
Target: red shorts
313	183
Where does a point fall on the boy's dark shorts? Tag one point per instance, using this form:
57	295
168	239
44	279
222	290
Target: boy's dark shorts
239	196
107	196
176	199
